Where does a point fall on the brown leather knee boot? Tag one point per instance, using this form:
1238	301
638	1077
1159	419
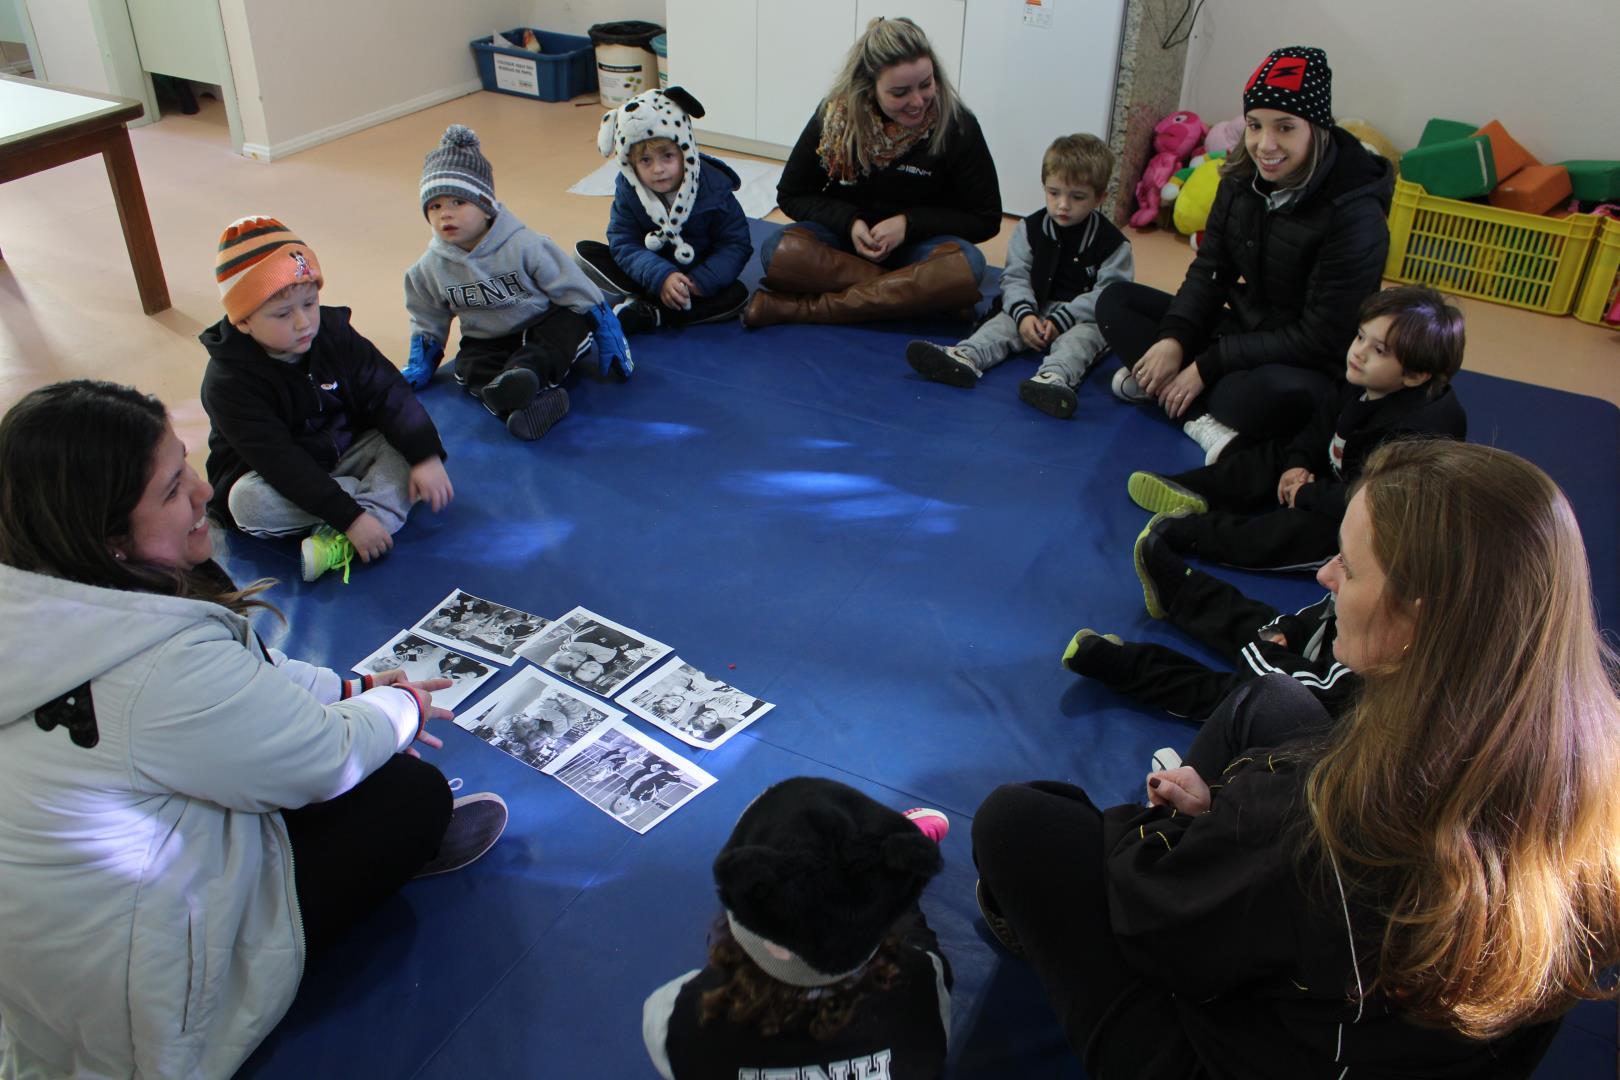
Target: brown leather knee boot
942	283
803	264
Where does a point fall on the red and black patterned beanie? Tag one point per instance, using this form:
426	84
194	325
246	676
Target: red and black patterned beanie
1295	79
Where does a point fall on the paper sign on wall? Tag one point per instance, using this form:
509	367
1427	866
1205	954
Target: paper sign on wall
1038	13
514	74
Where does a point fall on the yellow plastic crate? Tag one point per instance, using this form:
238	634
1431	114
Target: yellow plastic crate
1602	277
1525	260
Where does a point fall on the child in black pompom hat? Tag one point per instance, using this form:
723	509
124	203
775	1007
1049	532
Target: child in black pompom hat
822	961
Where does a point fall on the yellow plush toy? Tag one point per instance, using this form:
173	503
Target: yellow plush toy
1373	140
1197	196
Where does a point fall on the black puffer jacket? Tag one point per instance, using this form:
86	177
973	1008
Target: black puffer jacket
1293	277
290	422
955	193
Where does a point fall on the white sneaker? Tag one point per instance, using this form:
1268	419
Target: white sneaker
1126	389
1210	434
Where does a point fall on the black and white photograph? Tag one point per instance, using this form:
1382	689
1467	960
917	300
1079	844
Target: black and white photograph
422	659
692	706
482	627
535	718
594	653
628	776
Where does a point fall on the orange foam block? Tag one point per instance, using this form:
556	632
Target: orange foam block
1510	156
1534	189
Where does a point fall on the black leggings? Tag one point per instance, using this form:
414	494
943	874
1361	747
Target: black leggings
1272	401
352	852
1039	850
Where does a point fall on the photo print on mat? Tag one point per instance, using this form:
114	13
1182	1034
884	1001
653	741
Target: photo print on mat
594	653
535	718
628	776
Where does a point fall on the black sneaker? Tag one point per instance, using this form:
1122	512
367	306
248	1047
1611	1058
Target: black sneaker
1049	394
731	302
939	364
540	415
637	316
596	260
511	389
476	822
1159	568
1088	651
996	921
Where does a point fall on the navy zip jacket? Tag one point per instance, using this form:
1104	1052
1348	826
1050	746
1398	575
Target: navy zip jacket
717	229
1293	277
290	421
955	193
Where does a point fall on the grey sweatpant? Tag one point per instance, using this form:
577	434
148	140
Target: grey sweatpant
373	473
1070	356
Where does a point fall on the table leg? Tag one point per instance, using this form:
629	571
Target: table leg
132	214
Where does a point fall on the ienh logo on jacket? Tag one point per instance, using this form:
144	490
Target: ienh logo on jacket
495	292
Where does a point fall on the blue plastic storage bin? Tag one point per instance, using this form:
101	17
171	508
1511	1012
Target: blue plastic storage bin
564	68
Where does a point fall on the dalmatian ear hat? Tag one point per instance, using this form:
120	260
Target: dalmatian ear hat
657	114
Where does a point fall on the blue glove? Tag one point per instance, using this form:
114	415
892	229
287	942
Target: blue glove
425	356
610	343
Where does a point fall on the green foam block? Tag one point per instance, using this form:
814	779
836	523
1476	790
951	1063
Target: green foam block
1444	131
1594	181
1460	169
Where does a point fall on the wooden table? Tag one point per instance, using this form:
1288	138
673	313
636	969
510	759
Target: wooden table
43	126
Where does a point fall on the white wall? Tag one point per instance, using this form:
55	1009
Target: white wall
576	16
69	52
326	68
1549	73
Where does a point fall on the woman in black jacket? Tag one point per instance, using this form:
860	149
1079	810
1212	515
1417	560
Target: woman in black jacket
1420	888
1296	239
891	184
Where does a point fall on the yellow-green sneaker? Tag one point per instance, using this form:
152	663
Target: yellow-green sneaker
1085	642
325	549
1158	495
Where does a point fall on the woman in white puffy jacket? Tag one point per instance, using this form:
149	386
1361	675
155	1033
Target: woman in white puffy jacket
184	813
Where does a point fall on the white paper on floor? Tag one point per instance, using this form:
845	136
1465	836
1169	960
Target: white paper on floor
757	194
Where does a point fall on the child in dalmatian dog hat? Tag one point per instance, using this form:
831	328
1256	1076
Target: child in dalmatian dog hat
677	237
658	114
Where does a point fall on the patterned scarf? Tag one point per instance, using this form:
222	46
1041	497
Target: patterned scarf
888	141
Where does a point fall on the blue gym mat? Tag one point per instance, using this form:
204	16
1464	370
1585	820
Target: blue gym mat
896	564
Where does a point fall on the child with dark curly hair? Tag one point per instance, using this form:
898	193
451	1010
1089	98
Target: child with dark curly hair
822	962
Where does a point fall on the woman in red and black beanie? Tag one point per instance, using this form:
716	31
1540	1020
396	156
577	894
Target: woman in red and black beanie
1296	240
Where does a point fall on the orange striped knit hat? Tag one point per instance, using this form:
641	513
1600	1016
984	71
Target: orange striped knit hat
259	256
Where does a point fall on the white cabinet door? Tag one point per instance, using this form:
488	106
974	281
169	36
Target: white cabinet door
713	49
801	48
941	20
1031	83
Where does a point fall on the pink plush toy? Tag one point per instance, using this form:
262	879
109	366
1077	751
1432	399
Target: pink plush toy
1224	136
1174	139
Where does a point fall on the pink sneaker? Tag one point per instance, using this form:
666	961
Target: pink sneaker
934	825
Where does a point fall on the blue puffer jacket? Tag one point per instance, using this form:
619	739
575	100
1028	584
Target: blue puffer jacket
717	229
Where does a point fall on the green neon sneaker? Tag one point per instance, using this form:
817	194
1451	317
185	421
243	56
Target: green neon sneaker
325	549
1159	495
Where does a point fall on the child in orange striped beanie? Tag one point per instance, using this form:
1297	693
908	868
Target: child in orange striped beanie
313	430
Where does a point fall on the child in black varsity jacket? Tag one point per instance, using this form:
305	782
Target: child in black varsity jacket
822	963
1058	261
1277	505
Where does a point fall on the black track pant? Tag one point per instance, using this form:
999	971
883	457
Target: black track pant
1268	402
1246	525
703	307
352	852
548	347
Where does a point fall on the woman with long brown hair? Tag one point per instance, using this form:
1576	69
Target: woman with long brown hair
891	185
185	814
1423	887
